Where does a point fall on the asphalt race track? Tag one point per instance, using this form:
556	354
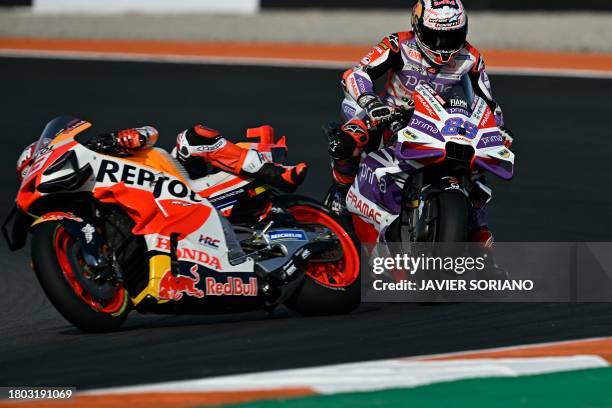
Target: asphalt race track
561	193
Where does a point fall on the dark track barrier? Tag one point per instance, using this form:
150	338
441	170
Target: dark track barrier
493	5
15	3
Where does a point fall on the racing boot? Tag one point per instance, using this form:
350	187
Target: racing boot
200	146
484	237
345	144
343	173
286	178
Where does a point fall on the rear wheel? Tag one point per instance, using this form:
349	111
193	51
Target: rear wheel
332	283
90	305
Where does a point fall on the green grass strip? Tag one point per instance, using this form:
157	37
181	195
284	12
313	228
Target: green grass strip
574	389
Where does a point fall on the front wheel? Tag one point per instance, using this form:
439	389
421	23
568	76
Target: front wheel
452	221
330	287
90	305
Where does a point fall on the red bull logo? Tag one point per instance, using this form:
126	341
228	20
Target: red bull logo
174	287
233	287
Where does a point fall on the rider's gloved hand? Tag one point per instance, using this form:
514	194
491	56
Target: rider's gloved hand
507	135
376	110
347	140
340	144
136	138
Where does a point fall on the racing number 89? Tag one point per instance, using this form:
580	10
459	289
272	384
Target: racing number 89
452	125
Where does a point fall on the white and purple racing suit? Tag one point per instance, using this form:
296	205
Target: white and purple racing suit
399	57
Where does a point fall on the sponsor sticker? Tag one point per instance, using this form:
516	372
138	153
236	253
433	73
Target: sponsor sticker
175	287
188	254
233	287
504	153
426	106
287	235
209	241
88	230
492	139
115	172
415	55
364	208
361	84
409	136
423	125
458	103
211	148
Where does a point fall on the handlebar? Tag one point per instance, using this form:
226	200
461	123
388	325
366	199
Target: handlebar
103	143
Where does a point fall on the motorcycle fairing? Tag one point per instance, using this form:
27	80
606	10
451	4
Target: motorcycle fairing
192	248
374	200
162	204
423	142
150	188
430	130
15	228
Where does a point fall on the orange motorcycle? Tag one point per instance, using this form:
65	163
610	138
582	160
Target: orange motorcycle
113	232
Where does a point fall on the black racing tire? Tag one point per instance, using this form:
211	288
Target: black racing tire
448	225
316	298
452	222
451	228
56	286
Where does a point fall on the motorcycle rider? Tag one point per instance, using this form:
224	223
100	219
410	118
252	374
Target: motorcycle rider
197	147
435	52
200	144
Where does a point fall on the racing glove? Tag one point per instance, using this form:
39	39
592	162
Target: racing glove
136	138
507	135
375	109
347	140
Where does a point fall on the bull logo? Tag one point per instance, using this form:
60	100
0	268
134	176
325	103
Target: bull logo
173	287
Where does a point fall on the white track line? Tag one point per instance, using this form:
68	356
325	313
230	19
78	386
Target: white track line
270	62
370	376
382	374
508	348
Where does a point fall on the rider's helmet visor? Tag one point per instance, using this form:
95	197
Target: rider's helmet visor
441	46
